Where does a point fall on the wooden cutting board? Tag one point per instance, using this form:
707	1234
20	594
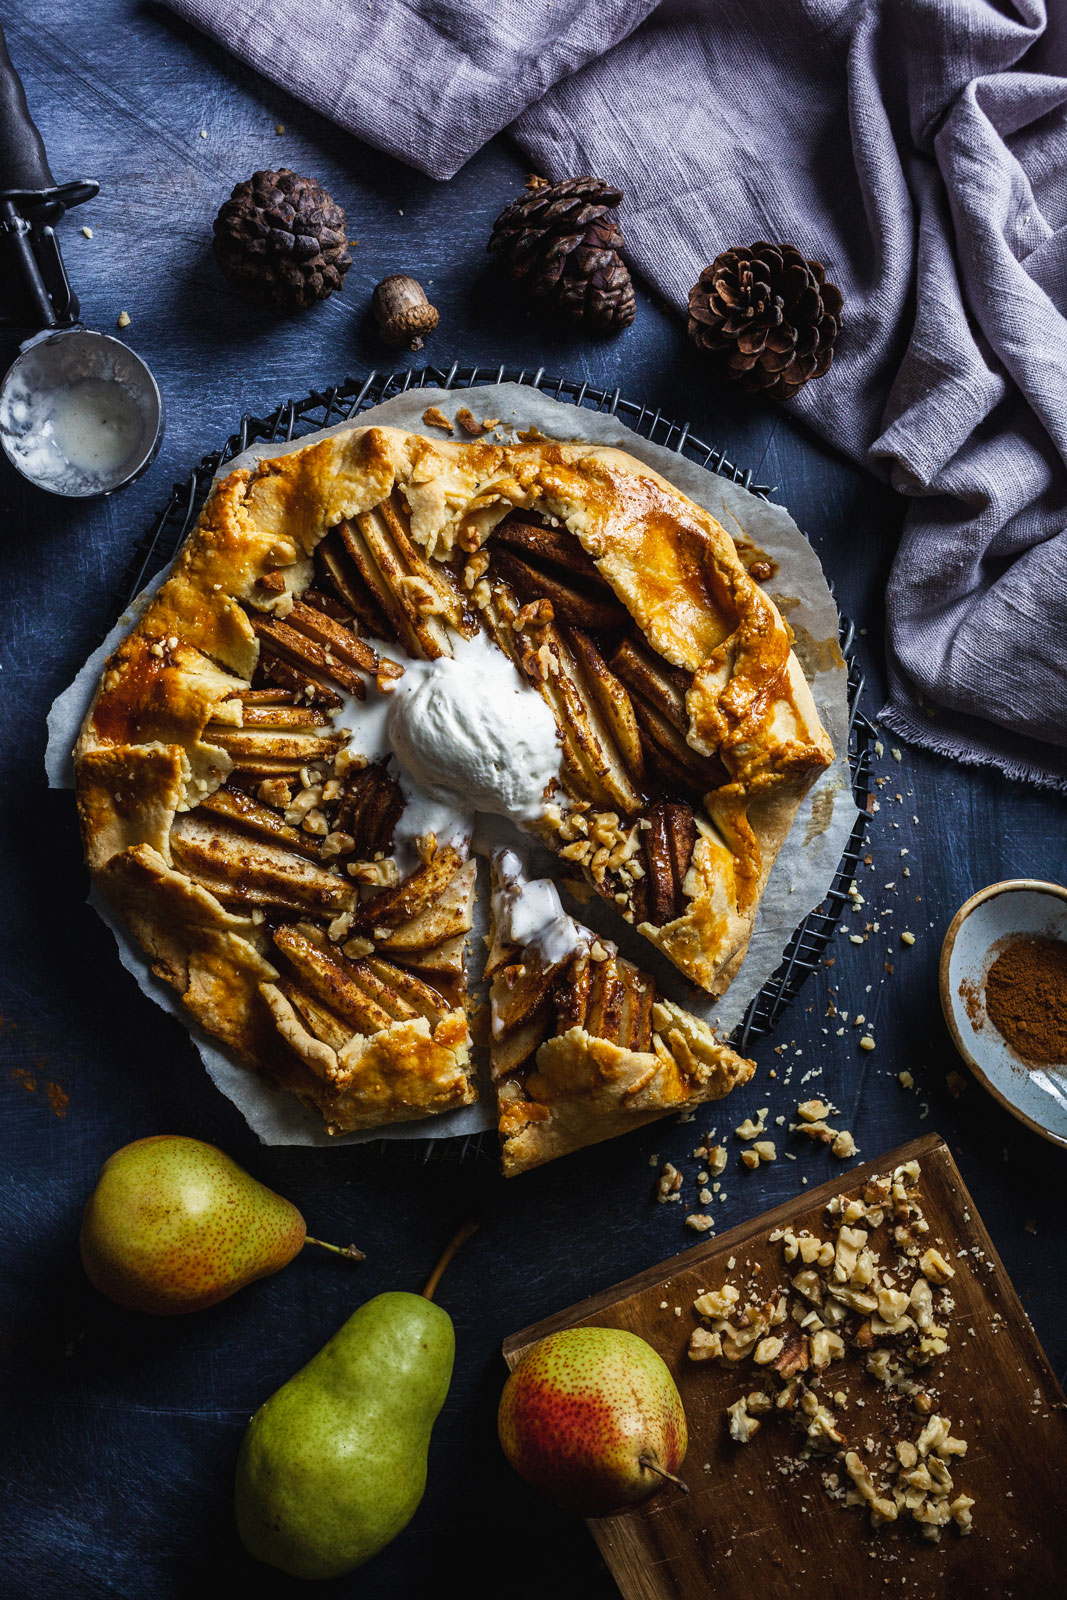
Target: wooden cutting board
746	1530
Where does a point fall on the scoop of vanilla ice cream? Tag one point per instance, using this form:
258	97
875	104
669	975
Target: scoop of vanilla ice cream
471	735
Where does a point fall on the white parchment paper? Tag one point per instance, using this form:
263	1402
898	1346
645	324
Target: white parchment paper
805	867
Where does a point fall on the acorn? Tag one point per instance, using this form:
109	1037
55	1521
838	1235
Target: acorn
402	311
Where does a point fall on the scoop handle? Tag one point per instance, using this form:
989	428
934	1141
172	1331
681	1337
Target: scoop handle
23	162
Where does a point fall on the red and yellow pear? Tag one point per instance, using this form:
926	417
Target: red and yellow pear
174	1225
593	1419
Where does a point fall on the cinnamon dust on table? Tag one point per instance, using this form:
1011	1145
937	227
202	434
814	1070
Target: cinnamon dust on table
1026	999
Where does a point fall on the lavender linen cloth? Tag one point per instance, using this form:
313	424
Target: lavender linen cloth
917	147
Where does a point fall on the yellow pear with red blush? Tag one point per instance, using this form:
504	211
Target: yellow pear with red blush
592	1418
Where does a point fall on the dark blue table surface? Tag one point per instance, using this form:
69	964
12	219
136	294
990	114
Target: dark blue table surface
120	1432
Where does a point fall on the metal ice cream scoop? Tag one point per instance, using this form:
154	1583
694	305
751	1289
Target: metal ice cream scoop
80	413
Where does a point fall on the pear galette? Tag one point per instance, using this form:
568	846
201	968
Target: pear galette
367	642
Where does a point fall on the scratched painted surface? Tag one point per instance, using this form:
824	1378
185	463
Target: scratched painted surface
119	1433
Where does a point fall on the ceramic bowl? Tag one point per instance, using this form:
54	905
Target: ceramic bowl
1036	1095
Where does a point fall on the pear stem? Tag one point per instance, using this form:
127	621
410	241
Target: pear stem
446	1256
348	1250
654	1466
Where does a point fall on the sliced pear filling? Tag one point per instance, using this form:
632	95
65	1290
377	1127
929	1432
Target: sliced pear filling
238	808
418	596
582	1049
412	897
337	571
240	870
370	807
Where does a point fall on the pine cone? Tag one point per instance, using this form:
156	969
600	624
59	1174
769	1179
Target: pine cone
563	244
768	316
280	239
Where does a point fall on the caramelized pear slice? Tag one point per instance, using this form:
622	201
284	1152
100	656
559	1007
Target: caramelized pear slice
406	990
335	638
338	570
668	850
249	747
520	989
370	807
635	1022
655	680
413	896
317	1018
558	547
442	961
606	994
254	871
257	714
243	811
417	597
301	686
572	995
307	655
450	916
679	766
585	608
335	983
511	1053
612	700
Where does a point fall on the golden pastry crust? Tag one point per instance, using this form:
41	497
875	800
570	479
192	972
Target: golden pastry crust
164	732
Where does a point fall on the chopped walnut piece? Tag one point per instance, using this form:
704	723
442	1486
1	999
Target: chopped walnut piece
742	1426
381	874
704	1345
337	843
882	1509
668	1183
717	1159
844	1145
717	1302
470	424
814	1110
818	1130
960	1512
826	1346
699	1222
275	792
933	1265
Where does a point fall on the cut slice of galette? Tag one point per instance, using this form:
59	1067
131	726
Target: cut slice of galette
583	1046
369	642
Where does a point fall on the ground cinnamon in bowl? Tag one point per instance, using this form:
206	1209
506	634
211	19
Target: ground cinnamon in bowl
1026	999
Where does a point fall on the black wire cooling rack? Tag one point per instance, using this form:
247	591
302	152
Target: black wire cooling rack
322	408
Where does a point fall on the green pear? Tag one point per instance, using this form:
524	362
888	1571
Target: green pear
174	1225
592	1418
333	1465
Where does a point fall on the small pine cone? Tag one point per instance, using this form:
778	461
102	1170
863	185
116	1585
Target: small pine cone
768	317
563	244
280	239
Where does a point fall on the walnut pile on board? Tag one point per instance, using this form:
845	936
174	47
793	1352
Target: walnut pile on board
844	1296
